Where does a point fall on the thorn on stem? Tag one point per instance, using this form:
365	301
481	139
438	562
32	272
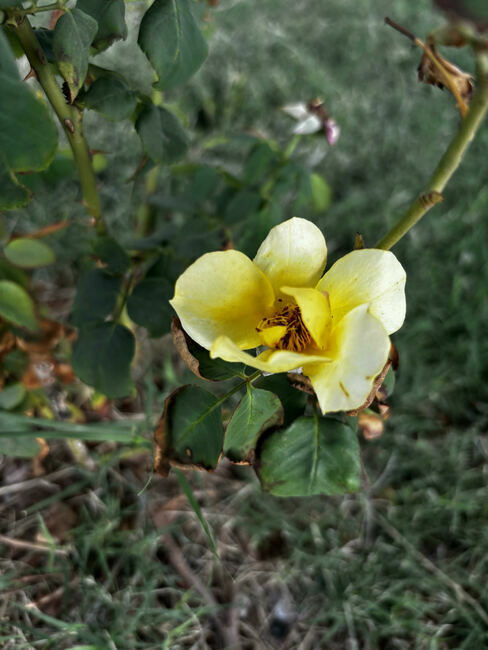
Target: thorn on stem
430	199
69	125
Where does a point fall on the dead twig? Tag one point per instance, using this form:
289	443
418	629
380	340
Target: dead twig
32	546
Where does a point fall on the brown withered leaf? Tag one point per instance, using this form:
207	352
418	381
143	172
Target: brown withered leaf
37	468
370	424
46	230
182	341
301	382
430	74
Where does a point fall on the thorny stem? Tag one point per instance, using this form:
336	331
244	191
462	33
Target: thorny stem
70	117
35	10
448	164
447	79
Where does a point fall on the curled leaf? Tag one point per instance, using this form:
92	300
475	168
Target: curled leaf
198	360
435	75
370	424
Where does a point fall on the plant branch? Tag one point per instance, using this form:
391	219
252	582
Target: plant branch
70	117
429	52
30	11
448	164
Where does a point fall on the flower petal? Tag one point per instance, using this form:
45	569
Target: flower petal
309	125
367	276
267	361
359	350
298	111
223	293
315	310
293	254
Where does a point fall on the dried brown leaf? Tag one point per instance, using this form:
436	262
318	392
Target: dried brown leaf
370	424
429	73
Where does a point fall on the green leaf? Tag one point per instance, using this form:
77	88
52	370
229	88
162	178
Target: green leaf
172	41
313	456
110	17
96	296
16	305
257	411
45	38
28	135
73	35
251	232
12	193
9	272
15	362
186	487
29	253
163	138
12	395
190	431
125	431
102	356
111	253
19	447
6	4
293	400
203	184
148	305
242	205
258	163
321	194
112	97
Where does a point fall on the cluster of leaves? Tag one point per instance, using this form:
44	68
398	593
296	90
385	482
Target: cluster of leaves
174	45
128	281
293	449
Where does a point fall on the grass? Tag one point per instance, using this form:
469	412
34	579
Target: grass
400	565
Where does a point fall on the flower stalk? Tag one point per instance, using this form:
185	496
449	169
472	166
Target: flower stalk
448	164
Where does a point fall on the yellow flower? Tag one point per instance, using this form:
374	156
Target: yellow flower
335	328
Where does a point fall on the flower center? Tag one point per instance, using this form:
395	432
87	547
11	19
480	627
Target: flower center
289	329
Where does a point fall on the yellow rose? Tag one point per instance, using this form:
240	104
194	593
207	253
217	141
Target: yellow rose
335	328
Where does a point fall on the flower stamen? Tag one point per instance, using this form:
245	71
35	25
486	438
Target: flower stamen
296	336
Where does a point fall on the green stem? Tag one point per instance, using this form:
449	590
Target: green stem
292	145
237	387
35	10
448	164
122	297
70	117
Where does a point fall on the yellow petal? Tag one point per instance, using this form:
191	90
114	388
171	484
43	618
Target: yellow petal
293	254
315	311
367	276
359	347
223	293
271	336
267	361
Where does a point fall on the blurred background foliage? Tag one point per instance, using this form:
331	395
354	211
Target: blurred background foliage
402	564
